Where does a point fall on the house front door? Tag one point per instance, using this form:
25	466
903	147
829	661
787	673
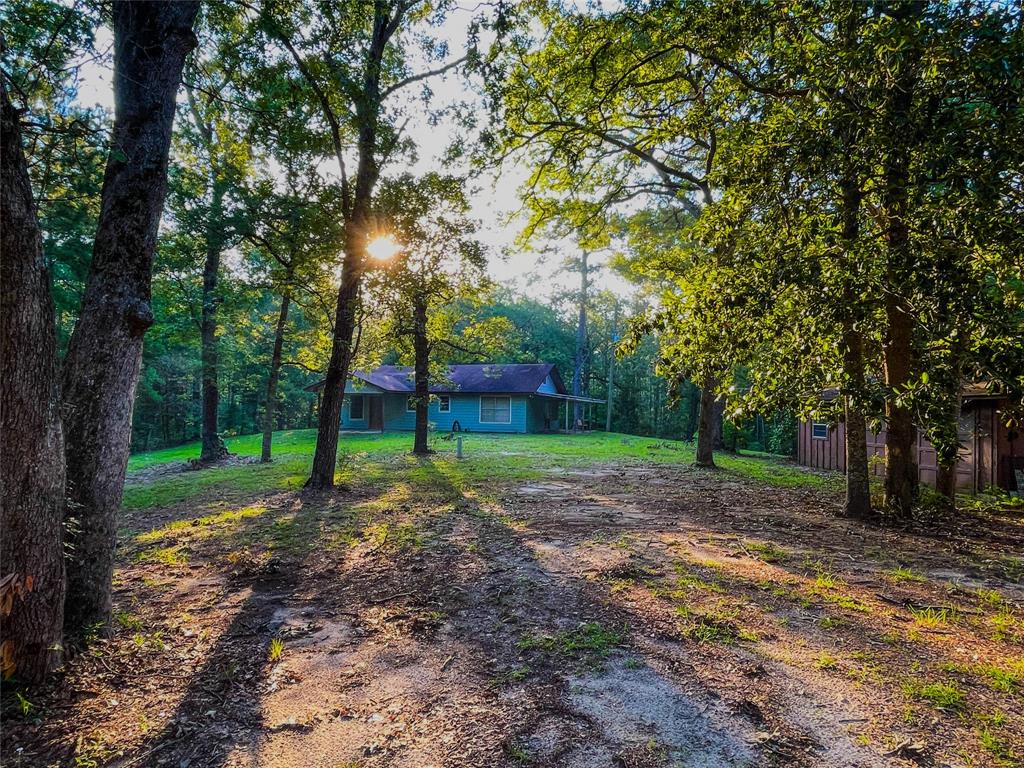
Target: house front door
376	413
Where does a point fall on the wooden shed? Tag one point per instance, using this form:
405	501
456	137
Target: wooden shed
991	454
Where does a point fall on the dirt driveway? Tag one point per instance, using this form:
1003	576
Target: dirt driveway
611	616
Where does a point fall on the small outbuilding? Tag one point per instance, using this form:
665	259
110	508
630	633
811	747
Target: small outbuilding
991	453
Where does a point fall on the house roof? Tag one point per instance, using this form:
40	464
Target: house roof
503	378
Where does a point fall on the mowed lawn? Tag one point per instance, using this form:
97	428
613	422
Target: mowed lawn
386	458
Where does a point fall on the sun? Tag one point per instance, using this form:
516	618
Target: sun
383	248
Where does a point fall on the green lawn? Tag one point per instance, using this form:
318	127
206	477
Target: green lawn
384	459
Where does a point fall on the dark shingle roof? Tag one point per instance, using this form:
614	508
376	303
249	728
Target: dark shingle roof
504	378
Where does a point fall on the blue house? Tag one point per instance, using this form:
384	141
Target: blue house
510	397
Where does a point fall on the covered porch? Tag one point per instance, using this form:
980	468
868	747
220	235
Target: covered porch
562	407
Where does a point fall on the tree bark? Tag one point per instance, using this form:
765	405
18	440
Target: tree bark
275	374
858	484
858	481
32	459
901	472
580	358
101	371
213	447
421	372
706	425
325	456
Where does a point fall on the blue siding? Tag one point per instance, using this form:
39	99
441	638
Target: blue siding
464	408
347	422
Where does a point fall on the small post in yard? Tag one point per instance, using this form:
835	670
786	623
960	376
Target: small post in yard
458	447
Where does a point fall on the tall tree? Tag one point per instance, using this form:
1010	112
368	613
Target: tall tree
438	266
101	370
352	61
298	228
32	460
638	122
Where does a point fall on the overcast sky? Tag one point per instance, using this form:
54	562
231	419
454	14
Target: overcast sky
496	200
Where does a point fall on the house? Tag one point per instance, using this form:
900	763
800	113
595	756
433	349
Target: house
991	453
497	397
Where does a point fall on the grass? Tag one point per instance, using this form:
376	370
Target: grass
588	642
900	575
276	650
932	618
946	696
382	459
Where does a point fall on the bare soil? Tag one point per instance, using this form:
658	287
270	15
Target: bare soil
619	616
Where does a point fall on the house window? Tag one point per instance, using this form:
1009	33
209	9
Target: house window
444	404
495	410
819	430
355	408
410	405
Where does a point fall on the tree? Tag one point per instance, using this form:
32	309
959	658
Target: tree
439	265
638	122
32	463
351	62
298	228
101	370
210	139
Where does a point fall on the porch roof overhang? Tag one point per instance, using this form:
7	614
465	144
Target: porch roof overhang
571	398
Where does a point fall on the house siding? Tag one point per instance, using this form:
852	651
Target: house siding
465	409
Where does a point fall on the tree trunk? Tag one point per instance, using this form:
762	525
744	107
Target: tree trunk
275	373
104	355
213	447
858	484
325	456
706	425
580	358
421	372
32	460
901	474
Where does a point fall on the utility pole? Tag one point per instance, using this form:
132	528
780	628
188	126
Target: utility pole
611	367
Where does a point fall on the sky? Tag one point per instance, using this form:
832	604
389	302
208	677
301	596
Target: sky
534	270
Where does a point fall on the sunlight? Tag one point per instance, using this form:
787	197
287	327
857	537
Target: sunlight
383	248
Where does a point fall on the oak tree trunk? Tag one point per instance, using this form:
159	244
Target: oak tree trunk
275	374
421	372
901	473
706	425
368	106
213	447
32	459
151	41
858	482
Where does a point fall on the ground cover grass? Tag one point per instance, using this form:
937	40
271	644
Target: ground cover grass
384	459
